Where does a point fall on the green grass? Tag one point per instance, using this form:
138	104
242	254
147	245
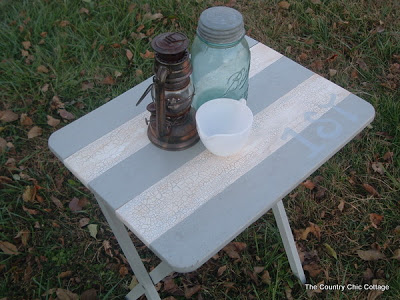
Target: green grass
358	39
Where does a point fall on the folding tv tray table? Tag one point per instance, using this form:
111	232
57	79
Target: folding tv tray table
187	205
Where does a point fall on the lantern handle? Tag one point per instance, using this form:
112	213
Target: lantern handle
146	92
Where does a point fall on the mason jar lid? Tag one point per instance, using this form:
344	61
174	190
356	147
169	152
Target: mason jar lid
221	25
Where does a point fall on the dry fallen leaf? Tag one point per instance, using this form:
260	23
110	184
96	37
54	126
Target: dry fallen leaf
29	193
313	269
34	132
374	294
332	72
66	115
24	53
189	292
65	274
8	248
221	270
150	31
30	211
152	17
284	4
74	205
57	203
108	80
258	270
170	285
3	145
370	255
53	122
266	278
84	10
123	271
25	120
396	254
375	219
42	69
24	235
308	184
87	85
56	103
45	88
370	189
90	294
8	116
26	44
354	74
43	34
66	295
138	72
129	54
388	156
147	54
64	23
83	222
140	28
378	167
107	248
92	230
341	205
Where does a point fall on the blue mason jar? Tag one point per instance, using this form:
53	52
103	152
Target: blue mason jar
220	56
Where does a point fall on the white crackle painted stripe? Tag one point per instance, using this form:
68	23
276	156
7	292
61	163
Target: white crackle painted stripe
176	196
112	148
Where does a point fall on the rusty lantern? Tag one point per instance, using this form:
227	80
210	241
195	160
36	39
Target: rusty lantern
172	124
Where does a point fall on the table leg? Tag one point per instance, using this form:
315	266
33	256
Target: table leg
145	285
288	241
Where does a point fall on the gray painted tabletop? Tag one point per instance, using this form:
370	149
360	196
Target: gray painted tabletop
187	205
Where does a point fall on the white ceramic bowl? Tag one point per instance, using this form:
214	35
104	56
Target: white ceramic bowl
224	125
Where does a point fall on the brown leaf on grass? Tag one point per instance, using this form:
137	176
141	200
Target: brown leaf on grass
124	42
26	44
396	254
354	74
43	34
231	251
65	274
30	211
53	122
303	56
140	28
266	278
108	80
129	54
24	53
74	205
66	115
64	23
368	275
29	193
378	167
57	203
148	54
87	85
25	120
170	285
332	72
138	36
123	271
42	69
66	295
83	222
258	270
34	132
221	270
84	10
388	156
190	291
3	145
8	248
317	65
45	88
116	45
313	269
370	255
138	72
8	116
284	5
341	205
374	294
107	248
56	103
252	276
117	74
370	189
90	294
24	235
375	219
308	184
152	17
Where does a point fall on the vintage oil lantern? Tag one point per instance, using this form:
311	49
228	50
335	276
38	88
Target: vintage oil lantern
172	124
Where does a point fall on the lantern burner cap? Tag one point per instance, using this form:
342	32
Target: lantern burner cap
170	46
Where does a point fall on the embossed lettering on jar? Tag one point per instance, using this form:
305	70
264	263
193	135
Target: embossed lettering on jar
220	56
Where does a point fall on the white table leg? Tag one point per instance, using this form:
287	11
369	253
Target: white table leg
288	241
146	285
